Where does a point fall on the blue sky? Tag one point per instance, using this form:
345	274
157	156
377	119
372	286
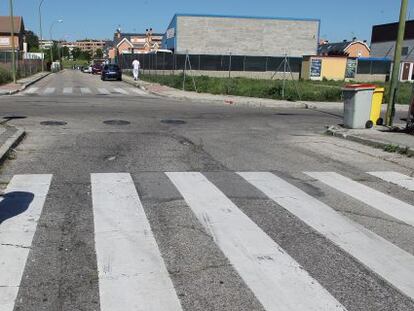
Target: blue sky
99	18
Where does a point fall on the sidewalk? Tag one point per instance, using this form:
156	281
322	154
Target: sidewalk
166	91
10	137
13	88
378	137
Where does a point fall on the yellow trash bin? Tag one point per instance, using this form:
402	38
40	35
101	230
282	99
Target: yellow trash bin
377	100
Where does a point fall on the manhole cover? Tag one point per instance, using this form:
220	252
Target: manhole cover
172	121
13	117
116	122
53	123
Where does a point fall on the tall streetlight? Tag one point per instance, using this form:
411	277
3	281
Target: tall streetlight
51	37
41	35
12	42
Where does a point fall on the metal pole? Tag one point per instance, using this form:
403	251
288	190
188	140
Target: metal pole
230	66
12	42
41	35
284	76
396	68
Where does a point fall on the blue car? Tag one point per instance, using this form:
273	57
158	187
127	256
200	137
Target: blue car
111	72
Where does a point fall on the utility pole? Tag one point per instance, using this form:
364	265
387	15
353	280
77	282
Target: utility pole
12	42
396	67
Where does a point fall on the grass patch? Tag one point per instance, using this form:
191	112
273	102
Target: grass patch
324	91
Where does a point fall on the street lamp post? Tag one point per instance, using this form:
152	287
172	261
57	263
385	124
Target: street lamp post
41	35
51	37
12	42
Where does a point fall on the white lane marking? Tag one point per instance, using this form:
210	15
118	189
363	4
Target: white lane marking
49	90
378	200
384	258
121	91
67	90
32	90
137	91
103	91
16	233
85	90
274	277
399	179
132	273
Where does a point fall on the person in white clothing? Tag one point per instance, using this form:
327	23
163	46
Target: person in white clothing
135	66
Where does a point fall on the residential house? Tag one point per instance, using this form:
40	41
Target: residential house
5	33
354	49
135	43
383	42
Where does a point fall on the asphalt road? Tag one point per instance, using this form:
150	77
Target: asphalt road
178	205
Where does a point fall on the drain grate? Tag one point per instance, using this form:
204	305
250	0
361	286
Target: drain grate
14	117
53	123
116	122
173	121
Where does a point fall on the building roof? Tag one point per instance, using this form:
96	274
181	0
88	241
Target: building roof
389	32
5	26
337	48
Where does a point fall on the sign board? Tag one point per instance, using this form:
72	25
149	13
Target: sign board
170	33
351	67
4	41
315	67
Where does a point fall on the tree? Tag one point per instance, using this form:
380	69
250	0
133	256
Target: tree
32	41
76	53
65	52
99	53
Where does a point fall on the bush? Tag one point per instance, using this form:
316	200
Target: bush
5	76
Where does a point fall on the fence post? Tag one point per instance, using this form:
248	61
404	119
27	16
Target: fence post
230	66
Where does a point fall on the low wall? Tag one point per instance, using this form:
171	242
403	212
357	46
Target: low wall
370	78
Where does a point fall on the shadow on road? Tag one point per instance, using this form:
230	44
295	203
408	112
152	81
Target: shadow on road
14	203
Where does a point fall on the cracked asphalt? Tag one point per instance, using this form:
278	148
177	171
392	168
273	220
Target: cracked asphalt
61	272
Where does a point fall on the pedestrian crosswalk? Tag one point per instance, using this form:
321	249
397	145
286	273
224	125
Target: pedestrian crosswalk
84	91
132	271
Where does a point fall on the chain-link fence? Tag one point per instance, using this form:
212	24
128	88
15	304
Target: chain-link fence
24	67
172	62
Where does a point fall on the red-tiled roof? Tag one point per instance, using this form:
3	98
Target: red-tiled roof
5	26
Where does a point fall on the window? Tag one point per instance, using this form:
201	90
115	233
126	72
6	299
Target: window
404	51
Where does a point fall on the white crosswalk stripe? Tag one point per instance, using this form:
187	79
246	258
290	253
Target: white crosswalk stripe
103	91
67	90
85	90
378	200
49	90
387	260
121	91
26	195
137	91
272	275
399	179
132	273
131	269
32	90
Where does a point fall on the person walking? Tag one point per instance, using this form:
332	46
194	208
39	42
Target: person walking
136	66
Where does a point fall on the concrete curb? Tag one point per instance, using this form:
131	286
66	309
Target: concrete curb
11	143
24	86
402	149
230	101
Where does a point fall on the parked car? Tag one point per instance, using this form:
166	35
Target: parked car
97	69
87	69
111	72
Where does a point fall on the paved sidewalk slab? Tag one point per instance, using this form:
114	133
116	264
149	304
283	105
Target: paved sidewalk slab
13	88
392	140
